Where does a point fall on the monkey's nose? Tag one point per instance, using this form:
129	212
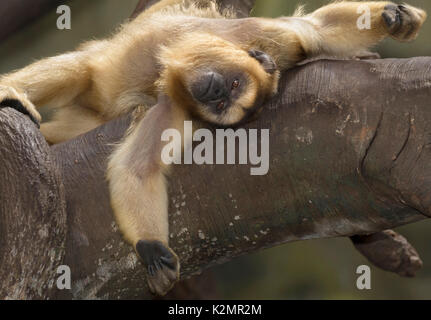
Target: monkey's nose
210	87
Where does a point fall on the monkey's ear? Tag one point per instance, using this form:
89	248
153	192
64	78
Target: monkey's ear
264	59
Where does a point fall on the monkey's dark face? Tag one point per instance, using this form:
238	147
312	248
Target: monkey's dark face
216	80
227	97
217	92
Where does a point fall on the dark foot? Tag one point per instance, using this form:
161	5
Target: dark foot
15	104
403	21
9	97
161	263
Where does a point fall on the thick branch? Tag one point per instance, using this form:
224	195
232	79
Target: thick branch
32	211
348	156
338	163
341	163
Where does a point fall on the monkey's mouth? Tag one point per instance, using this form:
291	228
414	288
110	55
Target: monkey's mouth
221	106
212	91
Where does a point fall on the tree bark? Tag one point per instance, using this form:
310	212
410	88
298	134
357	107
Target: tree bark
349	155
342	163
32	211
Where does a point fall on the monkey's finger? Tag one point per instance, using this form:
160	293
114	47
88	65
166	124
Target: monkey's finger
151	271
172	275
151	287
160	284
164	280
169	262
158	265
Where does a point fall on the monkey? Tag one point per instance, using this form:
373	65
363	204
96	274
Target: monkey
181	60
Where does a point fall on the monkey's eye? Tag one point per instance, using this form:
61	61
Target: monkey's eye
235	84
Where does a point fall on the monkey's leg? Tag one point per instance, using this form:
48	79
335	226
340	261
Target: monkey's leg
139	196
348	27
69	122
53	81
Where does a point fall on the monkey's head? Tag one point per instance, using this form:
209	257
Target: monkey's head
216	80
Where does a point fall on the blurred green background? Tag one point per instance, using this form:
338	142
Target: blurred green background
317	269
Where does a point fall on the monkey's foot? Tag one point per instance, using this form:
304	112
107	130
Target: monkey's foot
9	97
403	21
162	264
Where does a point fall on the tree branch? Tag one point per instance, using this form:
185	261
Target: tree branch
340	165
348	156
32	211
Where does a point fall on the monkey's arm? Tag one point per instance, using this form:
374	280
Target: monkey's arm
139	193
54	81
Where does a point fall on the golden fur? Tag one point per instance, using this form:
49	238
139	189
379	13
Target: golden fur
152	60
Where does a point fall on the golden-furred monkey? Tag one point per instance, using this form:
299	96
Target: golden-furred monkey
181	61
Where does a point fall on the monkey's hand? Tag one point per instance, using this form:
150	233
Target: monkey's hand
9	97
161	263
403	21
